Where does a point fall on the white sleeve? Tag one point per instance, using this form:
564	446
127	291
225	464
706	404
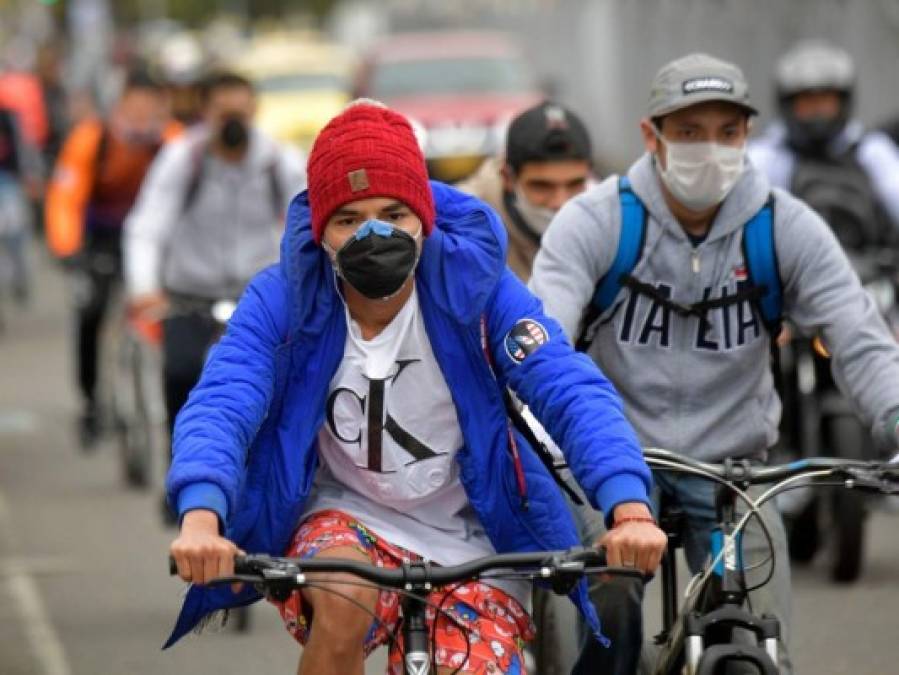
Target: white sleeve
152	219
773	160
879	157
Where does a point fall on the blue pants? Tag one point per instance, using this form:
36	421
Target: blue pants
620	603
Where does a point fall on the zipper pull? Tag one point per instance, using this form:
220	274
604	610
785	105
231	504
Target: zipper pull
695	260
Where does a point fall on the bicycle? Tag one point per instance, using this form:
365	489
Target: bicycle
699	638
278	577
137	401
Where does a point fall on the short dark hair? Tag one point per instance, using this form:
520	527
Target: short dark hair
140	79
224	80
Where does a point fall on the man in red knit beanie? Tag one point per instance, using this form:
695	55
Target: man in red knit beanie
354	409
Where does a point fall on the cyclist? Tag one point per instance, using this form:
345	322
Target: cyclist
547	161
354	409
93	186
20	175
684	339
206	220
818	146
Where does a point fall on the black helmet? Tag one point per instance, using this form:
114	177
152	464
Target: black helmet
814	66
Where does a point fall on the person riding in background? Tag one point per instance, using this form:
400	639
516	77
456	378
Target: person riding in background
823	155
93	186
547	162
683	333
20	173
208	217
354	408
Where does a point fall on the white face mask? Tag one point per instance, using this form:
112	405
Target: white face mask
537	217
700	175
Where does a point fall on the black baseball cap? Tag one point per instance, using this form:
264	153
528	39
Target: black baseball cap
546	133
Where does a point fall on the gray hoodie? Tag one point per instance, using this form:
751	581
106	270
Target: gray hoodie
710	394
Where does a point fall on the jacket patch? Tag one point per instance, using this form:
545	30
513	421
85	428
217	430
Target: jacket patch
524	339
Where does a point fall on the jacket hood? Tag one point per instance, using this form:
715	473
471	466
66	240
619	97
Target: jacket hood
460	266
746	198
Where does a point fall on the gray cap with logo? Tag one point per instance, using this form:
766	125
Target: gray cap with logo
697	78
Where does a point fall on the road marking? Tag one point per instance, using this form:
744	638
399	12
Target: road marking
18	422
42	637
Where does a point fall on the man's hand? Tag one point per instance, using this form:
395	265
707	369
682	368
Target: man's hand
199	551
634	540
149	306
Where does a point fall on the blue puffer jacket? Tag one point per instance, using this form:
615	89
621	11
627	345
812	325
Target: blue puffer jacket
245	443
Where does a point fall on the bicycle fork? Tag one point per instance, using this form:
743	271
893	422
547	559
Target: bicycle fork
729	614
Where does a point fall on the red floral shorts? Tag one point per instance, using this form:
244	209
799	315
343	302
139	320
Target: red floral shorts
496	624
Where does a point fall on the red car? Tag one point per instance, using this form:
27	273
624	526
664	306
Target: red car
461	87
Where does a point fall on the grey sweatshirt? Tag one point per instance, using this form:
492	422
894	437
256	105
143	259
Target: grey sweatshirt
710	394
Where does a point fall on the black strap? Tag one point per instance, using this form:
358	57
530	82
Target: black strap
539	447
701	308
198	171
275	189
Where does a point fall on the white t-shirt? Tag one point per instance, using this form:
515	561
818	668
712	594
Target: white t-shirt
388	446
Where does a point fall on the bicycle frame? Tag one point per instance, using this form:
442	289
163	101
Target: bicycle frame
712	612
716	608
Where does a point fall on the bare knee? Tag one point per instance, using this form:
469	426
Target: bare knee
342	611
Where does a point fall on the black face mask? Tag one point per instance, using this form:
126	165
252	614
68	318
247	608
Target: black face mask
813	136
377	260
234	133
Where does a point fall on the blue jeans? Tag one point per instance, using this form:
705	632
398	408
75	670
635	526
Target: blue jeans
620	604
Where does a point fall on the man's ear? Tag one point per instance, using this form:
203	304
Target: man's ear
647	132
508	175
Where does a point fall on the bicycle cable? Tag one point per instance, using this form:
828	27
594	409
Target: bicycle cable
741	524
468	631
699	580
447	594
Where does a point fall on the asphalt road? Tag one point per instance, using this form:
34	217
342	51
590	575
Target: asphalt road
83	581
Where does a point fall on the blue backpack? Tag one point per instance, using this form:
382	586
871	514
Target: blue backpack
764	288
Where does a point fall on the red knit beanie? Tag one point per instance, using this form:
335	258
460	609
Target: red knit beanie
366	151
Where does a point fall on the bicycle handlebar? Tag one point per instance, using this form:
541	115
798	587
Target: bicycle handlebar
875	476
548	565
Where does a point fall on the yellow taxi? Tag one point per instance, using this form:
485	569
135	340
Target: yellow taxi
302	81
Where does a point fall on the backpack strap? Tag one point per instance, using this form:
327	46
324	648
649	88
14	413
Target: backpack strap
630	246
276	191
631	240
197	171
761	264
99	159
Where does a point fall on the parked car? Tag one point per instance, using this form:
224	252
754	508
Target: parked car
463	88
302	81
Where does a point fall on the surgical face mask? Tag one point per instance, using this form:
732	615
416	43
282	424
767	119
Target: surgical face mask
377	260
700	175
535	217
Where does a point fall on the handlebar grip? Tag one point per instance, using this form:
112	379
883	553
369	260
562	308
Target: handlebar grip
240	565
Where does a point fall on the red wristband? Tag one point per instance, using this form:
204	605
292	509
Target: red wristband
634	519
